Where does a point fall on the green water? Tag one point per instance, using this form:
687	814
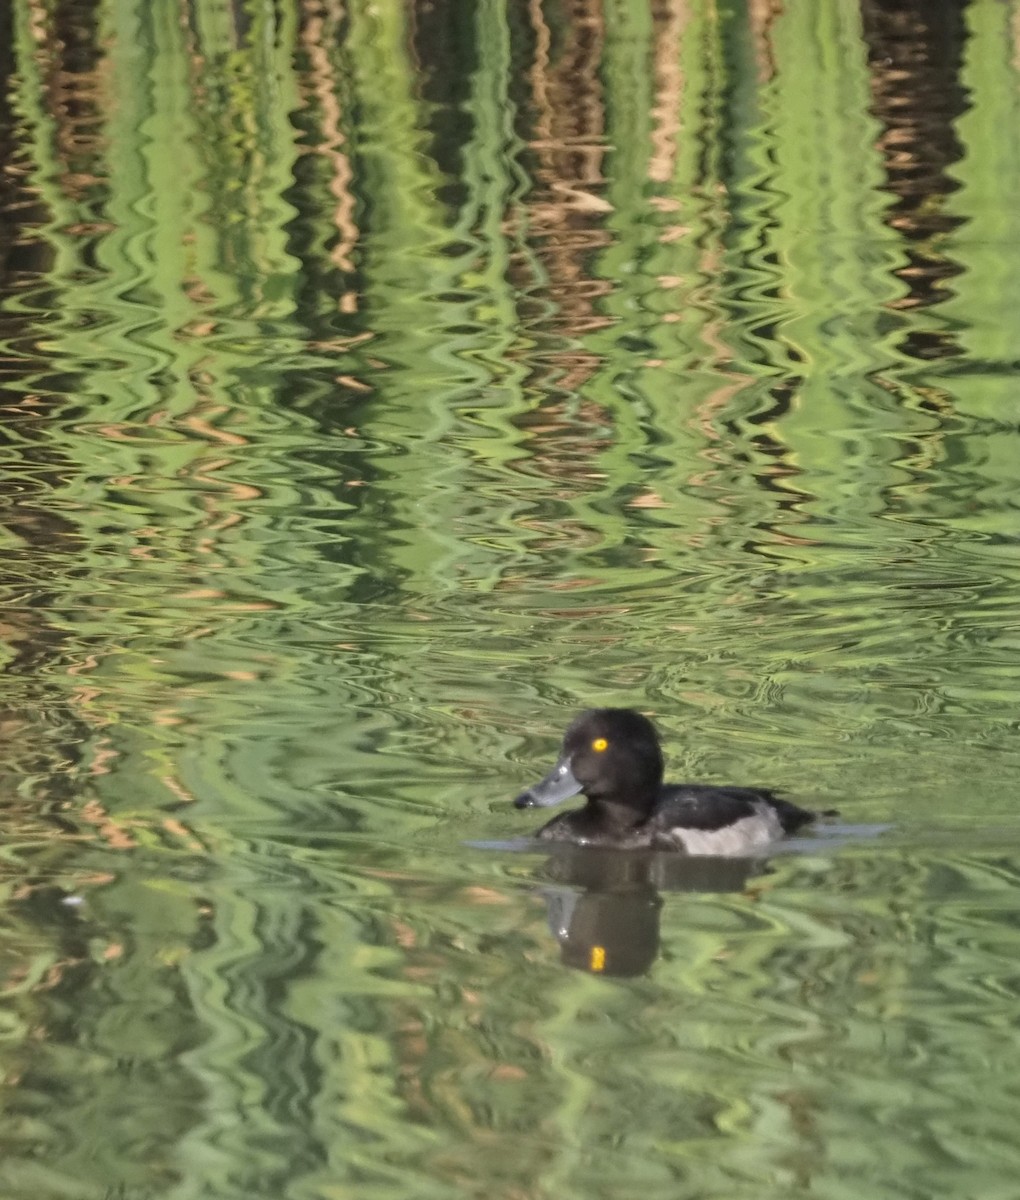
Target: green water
380	385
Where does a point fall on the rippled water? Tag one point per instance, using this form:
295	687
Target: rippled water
379	386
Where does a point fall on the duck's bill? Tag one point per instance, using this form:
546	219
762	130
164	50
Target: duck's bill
558	785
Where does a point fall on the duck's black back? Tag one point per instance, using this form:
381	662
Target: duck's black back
706	807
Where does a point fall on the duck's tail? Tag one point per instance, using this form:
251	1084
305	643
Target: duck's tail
792	817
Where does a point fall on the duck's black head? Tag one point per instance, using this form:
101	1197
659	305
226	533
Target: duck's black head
609	754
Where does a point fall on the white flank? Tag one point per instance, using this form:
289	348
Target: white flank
743	837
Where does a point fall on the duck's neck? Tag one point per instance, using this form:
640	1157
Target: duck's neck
612	813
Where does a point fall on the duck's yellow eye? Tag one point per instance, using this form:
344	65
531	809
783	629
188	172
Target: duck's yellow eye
600	744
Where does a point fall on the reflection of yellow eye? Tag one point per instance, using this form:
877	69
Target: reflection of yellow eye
599	744
598	958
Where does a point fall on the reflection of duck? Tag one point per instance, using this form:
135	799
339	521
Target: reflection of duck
612	755
611	927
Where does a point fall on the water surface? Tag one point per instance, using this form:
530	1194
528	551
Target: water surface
380	387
